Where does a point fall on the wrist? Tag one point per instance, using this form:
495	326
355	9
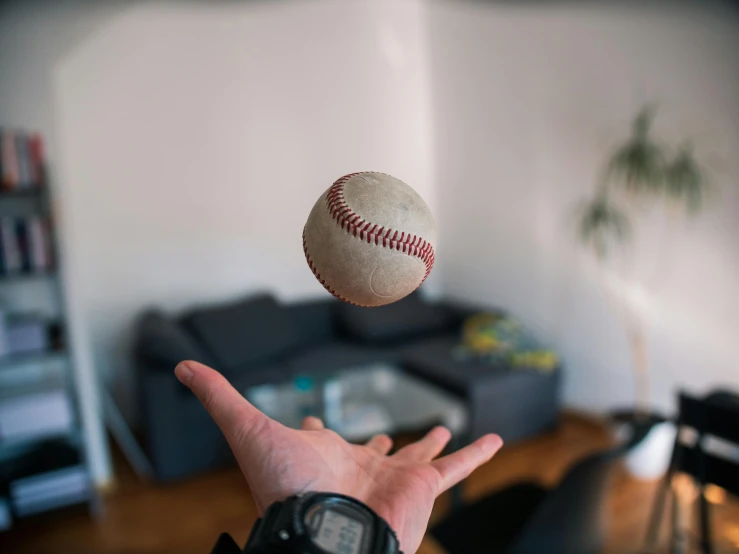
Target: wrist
320	523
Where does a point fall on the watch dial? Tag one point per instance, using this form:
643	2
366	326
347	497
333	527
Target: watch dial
336	532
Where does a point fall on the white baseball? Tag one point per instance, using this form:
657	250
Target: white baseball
370	239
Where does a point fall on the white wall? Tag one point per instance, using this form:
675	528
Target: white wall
528	102
193	160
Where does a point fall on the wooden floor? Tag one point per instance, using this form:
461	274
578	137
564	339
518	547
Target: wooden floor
141	518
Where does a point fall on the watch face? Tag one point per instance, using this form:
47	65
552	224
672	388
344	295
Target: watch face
338	533
338	528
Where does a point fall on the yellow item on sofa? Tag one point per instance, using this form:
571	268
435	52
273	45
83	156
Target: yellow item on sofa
496	337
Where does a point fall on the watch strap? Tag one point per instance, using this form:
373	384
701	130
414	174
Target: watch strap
280	514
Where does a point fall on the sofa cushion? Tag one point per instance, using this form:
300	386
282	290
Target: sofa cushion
433	359
162	341
514	403
245	332
402	320
336	356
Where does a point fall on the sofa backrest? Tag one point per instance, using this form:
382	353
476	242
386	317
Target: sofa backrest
257	329
249	331
400	321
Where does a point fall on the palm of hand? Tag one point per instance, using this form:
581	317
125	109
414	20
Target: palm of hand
279	462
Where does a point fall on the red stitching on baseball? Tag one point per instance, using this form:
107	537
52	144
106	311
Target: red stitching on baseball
344	215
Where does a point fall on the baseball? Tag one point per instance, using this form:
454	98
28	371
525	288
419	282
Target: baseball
370	239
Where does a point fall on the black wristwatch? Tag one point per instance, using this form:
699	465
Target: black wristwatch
316	523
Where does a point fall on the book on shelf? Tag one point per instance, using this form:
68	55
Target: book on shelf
54	489
25	334
8	159
45	371
40	247
49	475
24	165
25	245
21	160
35	414
51	483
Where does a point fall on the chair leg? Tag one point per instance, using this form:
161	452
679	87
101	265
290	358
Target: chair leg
705	523
650	542
678	538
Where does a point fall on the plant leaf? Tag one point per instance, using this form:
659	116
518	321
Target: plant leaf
602	225
639	165
687	180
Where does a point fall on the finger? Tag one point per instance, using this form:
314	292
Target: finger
380	444
233	414
426	449
457	466
311	423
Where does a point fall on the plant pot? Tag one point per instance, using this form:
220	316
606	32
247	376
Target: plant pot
650	458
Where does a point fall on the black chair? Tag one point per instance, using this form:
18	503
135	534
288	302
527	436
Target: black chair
529	519
716	415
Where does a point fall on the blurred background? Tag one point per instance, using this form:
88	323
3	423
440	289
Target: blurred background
159	160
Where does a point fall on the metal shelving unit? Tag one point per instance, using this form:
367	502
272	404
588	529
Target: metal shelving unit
33	373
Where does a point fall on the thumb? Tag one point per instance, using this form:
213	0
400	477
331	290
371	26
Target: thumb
233	414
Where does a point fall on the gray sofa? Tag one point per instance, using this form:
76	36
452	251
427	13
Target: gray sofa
258	340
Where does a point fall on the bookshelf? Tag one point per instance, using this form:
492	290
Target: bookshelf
43	463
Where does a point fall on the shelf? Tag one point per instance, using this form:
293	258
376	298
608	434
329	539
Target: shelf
72	435
13	360
21	277
23	192
83	497
50	489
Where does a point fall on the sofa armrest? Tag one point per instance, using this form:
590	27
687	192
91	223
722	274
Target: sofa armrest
181	438
522	404
161	341
160	396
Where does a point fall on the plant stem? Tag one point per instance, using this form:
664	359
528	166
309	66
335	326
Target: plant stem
641	371
634	328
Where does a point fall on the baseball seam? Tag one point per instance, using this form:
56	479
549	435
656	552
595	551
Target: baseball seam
376	234
353	223
318	275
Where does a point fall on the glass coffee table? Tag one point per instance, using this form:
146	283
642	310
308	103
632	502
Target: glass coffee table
362	401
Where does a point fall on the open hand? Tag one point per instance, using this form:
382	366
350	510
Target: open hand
278	461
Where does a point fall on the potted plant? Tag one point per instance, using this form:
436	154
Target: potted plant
644	181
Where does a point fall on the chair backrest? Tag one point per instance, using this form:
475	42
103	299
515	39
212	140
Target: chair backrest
716	415
571	518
